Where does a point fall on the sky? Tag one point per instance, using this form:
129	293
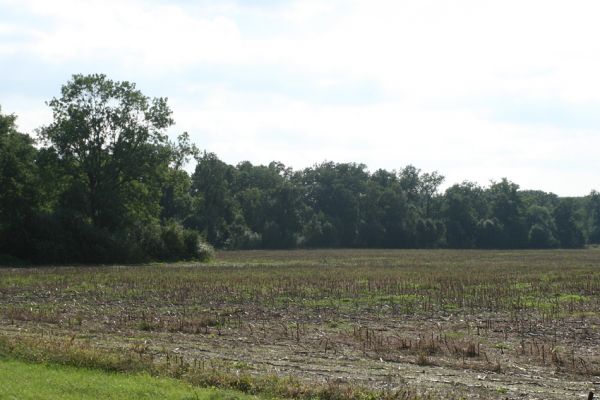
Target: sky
475	89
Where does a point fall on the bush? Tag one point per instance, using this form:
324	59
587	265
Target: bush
540	237
242	237
490	234
183	244
196	247
65	237
173	240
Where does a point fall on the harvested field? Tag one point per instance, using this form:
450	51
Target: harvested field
449	324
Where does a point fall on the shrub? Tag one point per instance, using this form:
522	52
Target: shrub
204	251
183	244
173	239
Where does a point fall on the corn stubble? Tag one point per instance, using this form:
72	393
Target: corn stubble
316	323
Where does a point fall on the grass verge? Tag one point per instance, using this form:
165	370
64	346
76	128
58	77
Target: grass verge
23	381
80	355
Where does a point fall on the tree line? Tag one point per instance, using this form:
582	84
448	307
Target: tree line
102	183
344	205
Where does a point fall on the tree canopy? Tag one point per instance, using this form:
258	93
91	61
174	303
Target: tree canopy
105	184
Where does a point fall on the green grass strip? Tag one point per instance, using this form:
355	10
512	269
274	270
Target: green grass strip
21	381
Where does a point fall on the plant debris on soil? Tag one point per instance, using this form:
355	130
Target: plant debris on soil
441	323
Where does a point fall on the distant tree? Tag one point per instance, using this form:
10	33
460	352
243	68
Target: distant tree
259	191
429	233
20	194
428	188
568	231
176	201
182	151
542	229
464	206
107	185
215	206
336	191
399	219
540	237
387	218
507	208
410	181
318	231
111	139
375	213
285	211
422	224
490	234
593	211
118	192
539	198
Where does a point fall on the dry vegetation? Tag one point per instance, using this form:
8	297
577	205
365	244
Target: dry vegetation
329	324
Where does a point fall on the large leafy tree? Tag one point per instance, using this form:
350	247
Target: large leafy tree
215	208
507	209
271	203
111	139
464	207
336	191
420	187
568	231
593	211
541	227
20	193
177	202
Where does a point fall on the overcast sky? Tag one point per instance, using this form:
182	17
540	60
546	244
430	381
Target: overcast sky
478	90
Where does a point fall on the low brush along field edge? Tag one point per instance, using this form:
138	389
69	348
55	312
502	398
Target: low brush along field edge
29	367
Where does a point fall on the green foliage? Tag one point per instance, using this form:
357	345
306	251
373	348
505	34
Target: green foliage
112	141
429	233
182	244
102	185
568	230
464	206
108	186
540	237
20	194
490	234
507	209
215	207
319	231
542	228
593	217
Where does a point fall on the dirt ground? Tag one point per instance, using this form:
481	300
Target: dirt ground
448	353
324	356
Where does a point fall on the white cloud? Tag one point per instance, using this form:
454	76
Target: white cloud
156	36
447	77
31	113
391	135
